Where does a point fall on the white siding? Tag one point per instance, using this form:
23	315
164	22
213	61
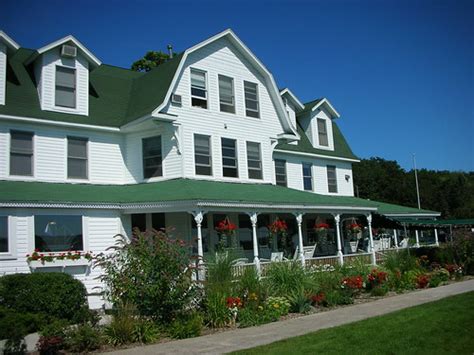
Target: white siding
3	72
172	161
221	57
106	164
294	171
48	62
99	229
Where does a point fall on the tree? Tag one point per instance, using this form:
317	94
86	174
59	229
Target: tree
451	193
151	60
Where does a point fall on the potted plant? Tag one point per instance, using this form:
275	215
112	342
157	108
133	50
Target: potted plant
226	230
321	230
354	230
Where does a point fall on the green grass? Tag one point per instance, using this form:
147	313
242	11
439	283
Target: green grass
441	327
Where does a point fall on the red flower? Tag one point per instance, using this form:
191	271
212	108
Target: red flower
321	226
233	302
279	226
318	298
422	281
353	282
226	226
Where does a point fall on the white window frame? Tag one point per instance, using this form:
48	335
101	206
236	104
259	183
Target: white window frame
318	120
260	160
67	108
11	231
258	100
286	172
143	158
210	154
233	105
33	160
335	179
206	90
53	212
88	158
310	165
236	158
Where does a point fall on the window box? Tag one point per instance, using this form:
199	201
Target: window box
38	264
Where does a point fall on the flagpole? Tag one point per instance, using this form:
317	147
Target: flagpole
416	180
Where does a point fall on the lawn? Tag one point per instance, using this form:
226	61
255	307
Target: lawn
441	327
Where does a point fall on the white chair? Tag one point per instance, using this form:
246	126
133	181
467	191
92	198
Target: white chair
308	251
403	243
274	257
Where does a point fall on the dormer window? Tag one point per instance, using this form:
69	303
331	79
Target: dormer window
322	132
65	94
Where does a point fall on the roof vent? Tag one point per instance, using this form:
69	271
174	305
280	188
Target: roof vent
176	99
68	51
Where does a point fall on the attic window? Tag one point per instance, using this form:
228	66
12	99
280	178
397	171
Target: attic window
251	99
65	87
322	132
198	88
226	94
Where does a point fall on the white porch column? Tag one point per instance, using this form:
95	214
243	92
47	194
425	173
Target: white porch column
371	239
299	221
417	243
256	260
436	237
337	219
198	217
395	238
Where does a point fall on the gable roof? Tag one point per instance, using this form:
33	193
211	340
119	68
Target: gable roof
304	145
9	42
299	106
313	105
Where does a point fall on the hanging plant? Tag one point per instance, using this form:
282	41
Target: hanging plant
321	227
279	229
226	230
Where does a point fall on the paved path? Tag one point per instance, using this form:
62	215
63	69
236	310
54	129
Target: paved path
250	337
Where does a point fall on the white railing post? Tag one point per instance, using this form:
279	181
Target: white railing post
337	219
256	260
417	243
371	239
299	221
395	238
436	237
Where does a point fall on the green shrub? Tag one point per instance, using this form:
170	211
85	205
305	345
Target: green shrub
219	276
216	311
300	300
17	325
151	272
283	278
379	291
82	338
271	311
186	326
250	288
438	276
402	261
51	295
336	297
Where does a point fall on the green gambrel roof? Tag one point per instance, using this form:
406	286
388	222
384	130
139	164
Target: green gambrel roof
174	190
341	148
116	96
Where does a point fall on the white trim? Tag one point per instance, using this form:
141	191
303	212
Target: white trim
11	254
412	214
58	123
292	96
315	155
331	107
92	58
8	41
251	57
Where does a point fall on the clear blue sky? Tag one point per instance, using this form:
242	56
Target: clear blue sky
399	72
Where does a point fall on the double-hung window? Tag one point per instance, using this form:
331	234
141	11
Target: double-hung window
226	94
202	155
77	158
322	132
65	87
254	160
332	178
307	176
4	247
280	172
252	108
21	153
198	88
152	158
55	233
229	158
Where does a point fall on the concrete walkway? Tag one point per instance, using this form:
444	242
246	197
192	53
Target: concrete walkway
245	338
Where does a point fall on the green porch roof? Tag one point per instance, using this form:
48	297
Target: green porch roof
173	190
438	223
389	209
116	96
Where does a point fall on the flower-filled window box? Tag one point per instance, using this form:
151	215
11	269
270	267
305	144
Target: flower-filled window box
38	259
